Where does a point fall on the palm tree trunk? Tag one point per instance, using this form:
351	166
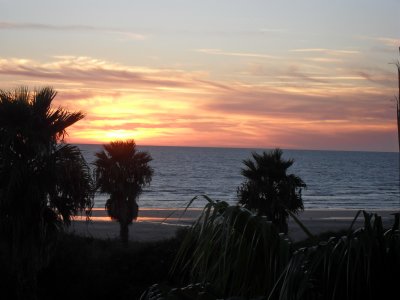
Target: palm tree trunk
124	233
398	118
398	109
398	134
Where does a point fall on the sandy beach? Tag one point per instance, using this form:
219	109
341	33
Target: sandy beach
157	224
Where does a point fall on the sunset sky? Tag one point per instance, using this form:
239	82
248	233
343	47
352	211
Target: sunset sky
300	74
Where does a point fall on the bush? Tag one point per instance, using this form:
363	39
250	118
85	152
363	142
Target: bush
231	253
88	268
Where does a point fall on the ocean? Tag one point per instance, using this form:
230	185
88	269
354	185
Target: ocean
335	179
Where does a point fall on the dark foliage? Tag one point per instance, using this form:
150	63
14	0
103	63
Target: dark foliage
87	268
268	190
233	250
43	182
233	254
363	264
122	171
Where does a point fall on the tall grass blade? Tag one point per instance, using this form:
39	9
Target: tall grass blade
353	222
302	226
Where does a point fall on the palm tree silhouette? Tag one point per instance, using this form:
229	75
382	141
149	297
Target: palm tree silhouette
43	181
122	172
269	190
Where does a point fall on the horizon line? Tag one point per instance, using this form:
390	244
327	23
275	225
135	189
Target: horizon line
249	148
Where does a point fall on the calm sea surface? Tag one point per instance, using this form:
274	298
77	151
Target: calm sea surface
335	179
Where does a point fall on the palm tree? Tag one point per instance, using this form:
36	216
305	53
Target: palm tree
269	190
122	171
43	181
397	99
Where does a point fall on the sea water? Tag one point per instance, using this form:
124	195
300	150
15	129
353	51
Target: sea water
335	179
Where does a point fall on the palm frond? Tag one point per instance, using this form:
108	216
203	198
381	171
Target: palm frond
41	184
227	246
365	264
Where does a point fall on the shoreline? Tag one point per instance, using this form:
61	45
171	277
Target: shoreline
306	209
162	223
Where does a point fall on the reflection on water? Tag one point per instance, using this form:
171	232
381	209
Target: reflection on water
140	219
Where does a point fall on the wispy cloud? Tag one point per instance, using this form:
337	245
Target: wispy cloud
383	40
175	107
326	51
273	30
83	70
240	54
324	59
382	78
83	28
364	107
391	42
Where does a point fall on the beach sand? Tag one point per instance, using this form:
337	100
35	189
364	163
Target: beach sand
157	224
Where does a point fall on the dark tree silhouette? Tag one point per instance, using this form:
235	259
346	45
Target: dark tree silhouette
398	102
43	181
397	99
122	172
269	190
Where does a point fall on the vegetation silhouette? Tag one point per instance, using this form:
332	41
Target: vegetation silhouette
268	190
122	171
43	181
233	253
90	268
234	250
362	264
397	100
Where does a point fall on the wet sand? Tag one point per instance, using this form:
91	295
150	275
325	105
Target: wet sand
157	224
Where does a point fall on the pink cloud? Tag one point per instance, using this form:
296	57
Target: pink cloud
173	106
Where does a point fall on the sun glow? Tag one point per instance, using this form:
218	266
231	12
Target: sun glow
121	134
297	102
104	135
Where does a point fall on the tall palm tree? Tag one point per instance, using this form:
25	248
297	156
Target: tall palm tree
122	171
397	99
269	190
43	181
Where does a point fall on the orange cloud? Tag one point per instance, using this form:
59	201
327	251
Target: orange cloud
303	106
